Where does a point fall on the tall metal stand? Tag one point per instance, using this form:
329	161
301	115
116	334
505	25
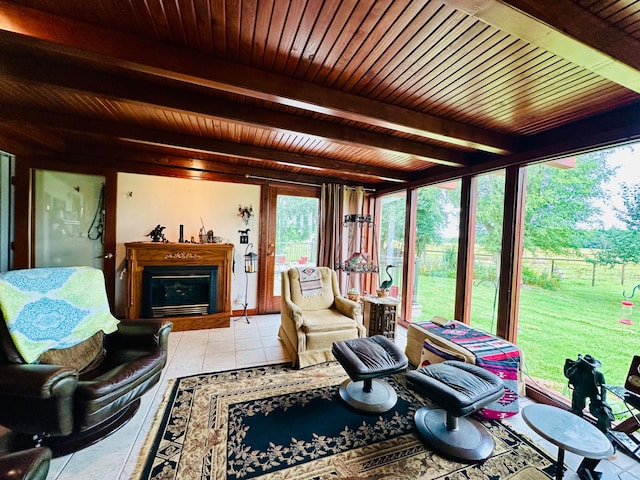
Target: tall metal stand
250	266
246	302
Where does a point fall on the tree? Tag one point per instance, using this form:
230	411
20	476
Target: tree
431	218
623	245
630	215
297	218
559	202
490	212
392	214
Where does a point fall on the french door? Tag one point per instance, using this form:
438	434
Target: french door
69	219
290	236
65	218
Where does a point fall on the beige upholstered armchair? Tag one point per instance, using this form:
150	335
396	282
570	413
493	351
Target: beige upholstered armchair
310	324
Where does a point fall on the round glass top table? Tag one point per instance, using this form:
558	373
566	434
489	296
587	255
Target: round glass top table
568	431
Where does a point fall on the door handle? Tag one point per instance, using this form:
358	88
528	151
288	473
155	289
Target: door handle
108	256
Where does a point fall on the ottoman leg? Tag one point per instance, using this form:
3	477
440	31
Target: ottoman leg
468	441
372	396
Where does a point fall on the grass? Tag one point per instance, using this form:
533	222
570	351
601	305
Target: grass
552	325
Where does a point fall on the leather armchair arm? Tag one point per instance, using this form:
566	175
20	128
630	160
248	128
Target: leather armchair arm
140	334
31	464
38	381
37	398
347	307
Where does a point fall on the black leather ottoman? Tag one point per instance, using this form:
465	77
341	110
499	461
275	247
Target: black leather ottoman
365	360
460	389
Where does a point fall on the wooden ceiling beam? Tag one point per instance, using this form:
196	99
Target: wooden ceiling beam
566	29
190	143
121	50
32	134
617	127
129	158
34	71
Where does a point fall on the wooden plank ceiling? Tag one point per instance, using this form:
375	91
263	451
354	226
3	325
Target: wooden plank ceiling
378	93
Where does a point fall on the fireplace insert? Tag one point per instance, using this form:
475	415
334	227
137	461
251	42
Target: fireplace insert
177	291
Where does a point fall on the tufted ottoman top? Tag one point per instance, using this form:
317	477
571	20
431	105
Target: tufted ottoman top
369	357
458	387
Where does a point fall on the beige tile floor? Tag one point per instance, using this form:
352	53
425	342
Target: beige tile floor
241	345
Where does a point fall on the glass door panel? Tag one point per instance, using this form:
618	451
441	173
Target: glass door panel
291	224
296	234
68	219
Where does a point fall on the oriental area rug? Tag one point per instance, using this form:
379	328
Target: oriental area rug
275	422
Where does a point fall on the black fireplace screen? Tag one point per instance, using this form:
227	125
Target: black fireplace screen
170	291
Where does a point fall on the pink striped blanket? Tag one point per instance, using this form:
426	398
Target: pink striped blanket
493	354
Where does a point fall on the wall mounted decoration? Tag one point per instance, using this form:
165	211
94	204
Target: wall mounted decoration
245	213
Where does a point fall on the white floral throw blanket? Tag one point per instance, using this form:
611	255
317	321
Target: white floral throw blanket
47	308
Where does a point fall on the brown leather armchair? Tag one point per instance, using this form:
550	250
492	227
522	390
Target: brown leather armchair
32	464
71	397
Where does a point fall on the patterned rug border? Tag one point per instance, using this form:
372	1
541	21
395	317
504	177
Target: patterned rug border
163	416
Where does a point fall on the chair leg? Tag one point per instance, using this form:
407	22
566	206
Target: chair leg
368	385
372	396
467	441
452	422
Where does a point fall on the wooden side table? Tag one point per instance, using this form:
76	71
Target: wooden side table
380	315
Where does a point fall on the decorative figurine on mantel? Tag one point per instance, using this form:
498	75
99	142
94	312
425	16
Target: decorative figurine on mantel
157	234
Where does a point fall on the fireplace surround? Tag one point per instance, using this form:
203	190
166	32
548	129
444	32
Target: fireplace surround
190	284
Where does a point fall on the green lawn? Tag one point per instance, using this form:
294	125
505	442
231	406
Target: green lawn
553	324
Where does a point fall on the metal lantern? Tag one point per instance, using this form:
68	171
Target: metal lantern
250	260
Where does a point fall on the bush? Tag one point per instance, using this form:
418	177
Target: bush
484	272
542	280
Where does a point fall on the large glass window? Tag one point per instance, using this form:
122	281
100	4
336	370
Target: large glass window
486	251
391	248
436	247
581	248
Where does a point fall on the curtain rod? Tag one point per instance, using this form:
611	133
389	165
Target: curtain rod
267	179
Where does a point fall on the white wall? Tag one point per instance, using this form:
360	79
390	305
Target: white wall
145	201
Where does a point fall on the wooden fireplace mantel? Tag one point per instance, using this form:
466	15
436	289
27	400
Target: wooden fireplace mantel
144	254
